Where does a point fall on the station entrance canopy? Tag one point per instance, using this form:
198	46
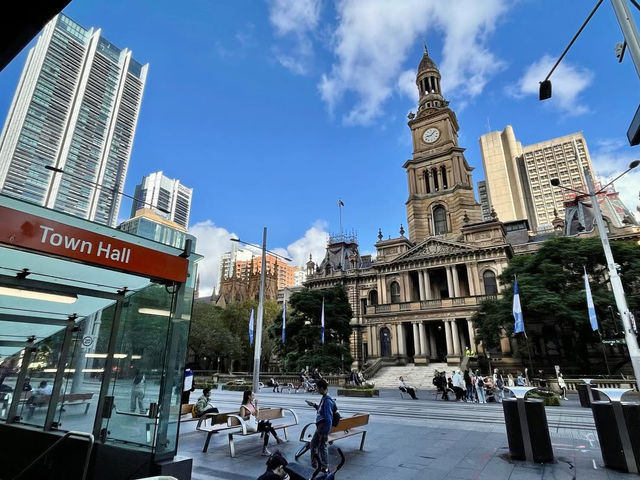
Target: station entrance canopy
99	318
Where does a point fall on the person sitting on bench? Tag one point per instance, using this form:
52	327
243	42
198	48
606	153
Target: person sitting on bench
204	405
410	390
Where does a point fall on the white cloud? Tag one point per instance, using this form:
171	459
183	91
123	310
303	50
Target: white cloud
372	42
212	242
298	18
407	85
568	81
612	157
314	242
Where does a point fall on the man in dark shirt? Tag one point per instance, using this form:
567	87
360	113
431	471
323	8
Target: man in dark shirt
324	420
275	468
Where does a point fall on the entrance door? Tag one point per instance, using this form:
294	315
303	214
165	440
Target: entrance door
385	342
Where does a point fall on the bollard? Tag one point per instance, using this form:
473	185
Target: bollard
615	421
527	429
586	393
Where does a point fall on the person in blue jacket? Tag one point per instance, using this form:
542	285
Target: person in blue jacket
324	419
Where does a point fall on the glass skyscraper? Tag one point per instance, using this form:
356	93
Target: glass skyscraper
166	196
75	111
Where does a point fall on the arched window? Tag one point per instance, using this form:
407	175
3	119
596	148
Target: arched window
395	292
440	220
373	297
490	285
426	181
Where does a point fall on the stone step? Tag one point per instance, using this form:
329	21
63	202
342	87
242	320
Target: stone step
420	377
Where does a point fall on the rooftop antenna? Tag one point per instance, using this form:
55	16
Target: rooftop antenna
340	205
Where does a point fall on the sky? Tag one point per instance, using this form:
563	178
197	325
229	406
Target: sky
274	110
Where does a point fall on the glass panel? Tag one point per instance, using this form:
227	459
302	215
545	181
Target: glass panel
78	401
138	366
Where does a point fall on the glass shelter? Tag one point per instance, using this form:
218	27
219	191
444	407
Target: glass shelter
93	333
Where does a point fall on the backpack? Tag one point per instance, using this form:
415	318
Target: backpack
480	382
336	416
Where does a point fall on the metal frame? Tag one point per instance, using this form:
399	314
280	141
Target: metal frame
60	372
26	360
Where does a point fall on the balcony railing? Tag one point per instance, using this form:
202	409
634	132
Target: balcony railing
438	303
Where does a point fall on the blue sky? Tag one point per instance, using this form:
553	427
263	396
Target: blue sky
274	110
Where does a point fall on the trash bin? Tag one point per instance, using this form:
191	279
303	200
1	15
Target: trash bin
617	423
586	393
527	428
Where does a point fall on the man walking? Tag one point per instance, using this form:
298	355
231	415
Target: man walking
324	420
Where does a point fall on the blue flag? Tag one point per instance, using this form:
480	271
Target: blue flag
251	328
590	308
284	320
518	325
322	321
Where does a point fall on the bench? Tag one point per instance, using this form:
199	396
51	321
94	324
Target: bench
347	427
240	426
68	399
403	392
218	422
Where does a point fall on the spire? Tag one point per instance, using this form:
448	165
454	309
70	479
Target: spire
424	44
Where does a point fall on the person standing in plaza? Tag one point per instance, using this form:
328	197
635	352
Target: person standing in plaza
498	386
563	386
458	385
324	421
468	383
480	388
137	391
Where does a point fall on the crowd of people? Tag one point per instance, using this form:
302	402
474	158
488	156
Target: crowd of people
470	386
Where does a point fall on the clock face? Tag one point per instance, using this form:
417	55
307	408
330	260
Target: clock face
431	135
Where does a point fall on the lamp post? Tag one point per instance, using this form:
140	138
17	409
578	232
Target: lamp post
257	348
614	278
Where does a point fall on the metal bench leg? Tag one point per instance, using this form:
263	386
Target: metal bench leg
232	447
86	409
364	435
206	443
285	434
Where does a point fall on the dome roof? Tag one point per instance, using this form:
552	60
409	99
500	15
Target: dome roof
426	63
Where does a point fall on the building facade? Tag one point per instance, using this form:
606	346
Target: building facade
415	301
167	196
148	224
68	136
518	178
483	195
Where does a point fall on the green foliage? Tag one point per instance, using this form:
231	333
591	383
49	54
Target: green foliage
303	346
217	332
552	292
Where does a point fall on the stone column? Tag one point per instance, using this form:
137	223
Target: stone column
400	336
427	285
374	341
432	340
416	340
472	335
424	346
447	332
408	291
472	287
449	282
456	281
455	337
421	284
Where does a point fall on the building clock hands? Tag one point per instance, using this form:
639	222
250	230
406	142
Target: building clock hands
431	135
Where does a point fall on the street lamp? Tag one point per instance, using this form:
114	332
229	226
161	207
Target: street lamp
614	278
257	348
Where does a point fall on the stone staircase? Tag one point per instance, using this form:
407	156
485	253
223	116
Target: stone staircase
421	377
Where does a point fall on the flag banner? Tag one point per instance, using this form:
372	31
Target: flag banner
284	320
590	308
251	328
518	324
322	321
340	203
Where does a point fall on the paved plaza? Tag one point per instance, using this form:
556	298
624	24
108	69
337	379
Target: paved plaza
422	439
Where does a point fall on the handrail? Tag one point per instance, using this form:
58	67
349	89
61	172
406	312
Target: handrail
58	442
373	369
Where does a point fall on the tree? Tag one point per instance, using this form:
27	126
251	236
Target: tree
303	346
552	294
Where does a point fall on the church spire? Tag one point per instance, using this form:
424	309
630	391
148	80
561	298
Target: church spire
428	82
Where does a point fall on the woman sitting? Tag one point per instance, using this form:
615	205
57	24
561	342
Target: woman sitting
248	408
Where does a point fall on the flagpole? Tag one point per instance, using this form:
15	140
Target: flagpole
529	353
340	205
604	354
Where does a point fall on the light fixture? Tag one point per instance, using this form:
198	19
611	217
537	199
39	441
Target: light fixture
38	295
154	311
104	355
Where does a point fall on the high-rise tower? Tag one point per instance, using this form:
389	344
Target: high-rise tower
440	185
75	110
167	196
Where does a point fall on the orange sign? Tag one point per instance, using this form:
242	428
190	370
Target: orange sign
30	232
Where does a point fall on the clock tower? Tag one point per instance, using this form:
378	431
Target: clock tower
441	199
